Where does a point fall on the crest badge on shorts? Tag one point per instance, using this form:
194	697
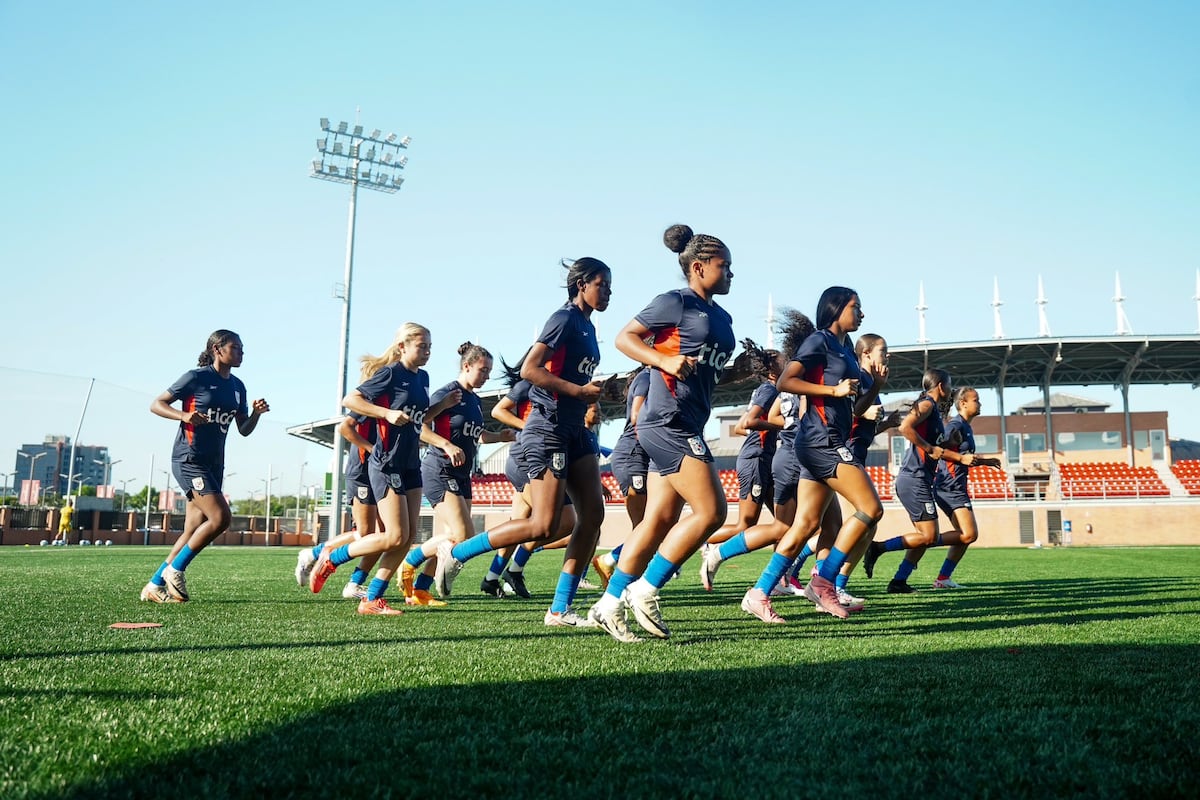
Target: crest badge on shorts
198	484
638	482
929	509
395	480
558	461
362	493
452	485
845	454
699	448
756	491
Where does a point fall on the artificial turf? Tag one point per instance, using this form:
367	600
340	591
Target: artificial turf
1054	673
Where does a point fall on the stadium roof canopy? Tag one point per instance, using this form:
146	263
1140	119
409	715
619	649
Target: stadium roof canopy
1117	361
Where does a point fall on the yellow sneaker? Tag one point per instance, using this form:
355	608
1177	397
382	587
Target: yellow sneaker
421	597
408	574
603	570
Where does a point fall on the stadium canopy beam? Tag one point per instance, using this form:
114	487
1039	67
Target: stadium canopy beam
1001	382
1126	376
1051	363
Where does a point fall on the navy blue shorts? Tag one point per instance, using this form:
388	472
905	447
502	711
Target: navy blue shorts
195	477
513	471
440	478
950	500
395	482
546	446
630	468
754	480
916	495
359	491
667	447
785	474
821	463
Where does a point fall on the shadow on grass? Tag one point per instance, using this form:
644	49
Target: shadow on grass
1035	722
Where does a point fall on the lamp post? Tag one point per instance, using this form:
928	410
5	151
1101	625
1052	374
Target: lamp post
300	488
8	475
267	490
127	480
33	457
347	155
108	465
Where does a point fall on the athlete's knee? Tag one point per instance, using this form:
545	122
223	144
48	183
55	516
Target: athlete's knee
869	514
968	537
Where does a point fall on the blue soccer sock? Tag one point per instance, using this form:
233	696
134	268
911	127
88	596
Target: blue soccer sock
659	571
619	582
735	546
519	559
423	582
415	557
947	569
183	559
496	568
341	555
358	576
376	589
615	553
893	544
774	571
316	550
564	593
157	579
832	565
906	569
477	545
841	580
806	552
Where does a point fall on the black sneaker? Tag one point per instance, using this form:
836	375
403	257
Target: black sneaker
900	587
491	588
872	555
516	580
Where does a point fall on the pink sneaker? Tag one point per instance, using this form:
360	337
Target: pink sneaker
795	585
824	596
758	604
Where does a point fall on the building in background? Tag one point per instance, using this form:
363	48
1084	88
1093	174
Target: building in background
50	462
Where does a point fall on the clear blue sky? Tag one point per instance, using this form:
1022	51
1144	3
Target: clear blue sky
156	188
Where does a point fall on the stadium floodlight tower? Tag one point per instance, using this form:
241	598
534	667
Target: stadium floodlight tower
372	161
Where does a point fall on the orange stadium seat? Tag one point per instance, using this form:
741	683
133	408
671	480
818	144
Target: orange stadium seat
1109	479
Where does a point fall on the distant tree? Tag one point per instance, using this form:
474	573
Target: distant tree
87	491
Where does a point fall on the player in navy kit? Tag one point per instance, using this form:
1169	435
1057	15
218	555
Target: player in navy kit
630	465
692	341
210	398
929	449
557	451
397	397
826	372
448	486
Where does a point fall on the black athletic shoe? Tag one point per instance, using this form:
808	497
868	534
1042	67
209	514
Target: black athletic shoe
491	588
869	559
516	580
900	587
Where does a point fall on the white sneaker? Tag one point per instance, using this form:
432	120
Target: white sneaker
946	583
354	591
710	562
586	584
304	565
566	619
176	584
613	623
447	569
849	601
153	593
647	613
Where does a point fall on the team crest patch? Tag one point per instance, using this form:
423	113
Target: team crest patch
395	480
845	454
699	448
929	509
756	490
452	485
198	484
558	461
639	482
362	493
237	397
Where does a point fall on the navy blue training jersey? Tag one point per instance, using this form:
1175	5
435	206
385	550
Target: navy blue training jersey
222	400
958	438
574	356
827	420
356	461
683	323
394	387
760	443
917	461
462	424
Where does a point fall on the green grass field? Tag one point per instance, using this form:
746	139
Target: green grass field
1069	672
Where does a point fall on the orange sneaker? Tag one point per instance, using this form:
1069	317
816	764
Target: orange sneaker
322	571
378	607
421	597
408	574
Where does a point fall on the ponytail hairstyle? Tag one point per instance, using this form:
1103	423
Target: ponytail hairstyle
407	332
216	340
932	377
581	270
762	361
830	306
471	353
960	394
692	246
795	328
512	375
866	343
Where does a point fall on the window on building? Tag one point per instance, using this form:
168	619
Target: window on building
1089	440
1035	442
987	443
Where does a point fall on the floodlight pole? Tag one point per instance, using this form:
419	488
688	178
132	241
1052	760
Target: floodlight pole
342	160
